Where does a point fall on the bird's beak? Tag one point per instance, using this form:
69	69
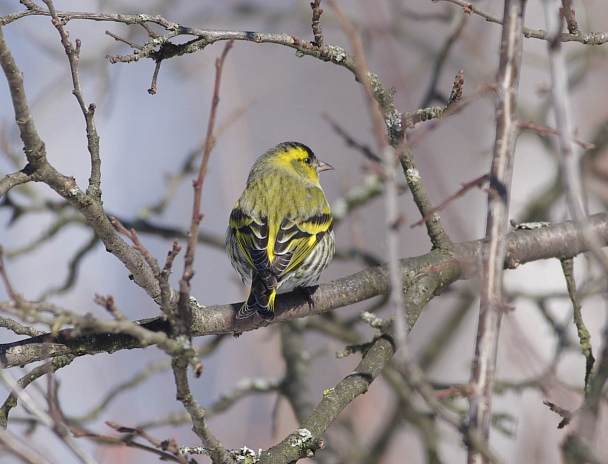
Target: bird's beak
321	166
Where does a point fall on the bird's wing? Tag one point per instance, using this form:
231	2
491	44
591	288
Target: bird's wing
252	239
296	239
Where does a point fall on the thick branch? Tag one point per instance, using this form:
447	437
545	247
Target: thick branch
523	246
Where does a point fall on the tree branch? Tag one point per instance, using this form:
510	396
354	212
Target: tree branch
523	246
492	304
588	38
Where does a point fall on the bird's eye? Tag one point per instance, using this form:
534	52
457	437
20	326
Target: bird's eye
308	160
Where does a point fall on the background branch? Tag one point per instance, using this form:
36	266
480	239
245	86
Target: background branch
492	304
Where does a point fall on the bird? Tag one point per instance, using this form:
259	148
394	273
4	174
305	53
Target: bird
280	234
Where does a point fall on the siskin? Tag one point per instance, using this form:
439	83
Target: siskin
281	230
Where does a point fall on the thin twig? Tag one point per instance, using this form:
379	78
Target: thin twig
543	130
126	441
317	31
465	188
581	329
456	28
153	86
568	13
366	151
6	281
175	179
73	267
169	445
493	253
73	54
197	215
133	45
19	329
589	38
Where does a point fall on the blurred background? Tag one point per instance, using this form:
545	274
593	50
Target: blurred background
270	95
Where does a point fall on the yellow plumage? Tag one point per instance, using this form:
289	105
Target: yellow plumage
280	235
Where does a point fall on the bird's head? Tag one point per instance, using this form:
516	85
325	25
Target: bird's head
298	158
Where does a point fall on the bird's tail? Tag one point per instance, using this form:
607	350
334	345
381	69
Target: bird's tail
260	301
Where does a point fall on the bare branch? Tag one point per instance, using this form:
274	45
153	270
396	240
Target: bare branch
197	215
559	240
568	13
34	147
570	156
73	54
494	250
589	38
465	188
317	31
